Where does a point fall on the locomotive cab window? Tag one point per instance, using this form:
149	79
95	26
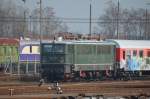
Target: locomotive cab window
47	48
58	48
54	48
53	53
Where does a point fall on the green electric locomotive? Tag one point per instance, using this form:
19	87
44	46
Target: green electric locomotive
62	60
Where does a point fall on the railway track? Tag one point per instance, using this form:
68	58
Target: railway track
106	88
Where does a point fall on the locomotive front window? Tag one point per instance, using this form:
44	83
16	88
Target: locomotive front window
54	48
47	48
53	53
58	48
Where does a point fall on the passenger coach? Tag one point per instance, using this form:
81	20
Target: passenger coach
133	55
8	54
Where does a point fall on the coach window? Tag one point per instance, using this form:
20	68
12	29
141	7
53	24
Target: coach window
141	53
124	53
128	53
5	50
134	52
16	50
148	54
11	50
0	51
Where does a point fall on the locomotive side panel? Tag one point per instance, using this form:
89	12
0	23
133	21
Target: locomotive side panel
94	57
63	60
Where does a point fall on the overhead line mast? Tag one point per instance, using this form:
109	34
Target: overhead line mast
40	20
118	8
90	24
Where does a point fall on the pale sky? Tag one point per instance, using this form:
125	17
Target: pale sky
80	9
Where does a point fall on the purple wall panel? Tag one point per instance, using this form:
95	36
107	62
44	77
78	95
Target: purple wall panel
29	57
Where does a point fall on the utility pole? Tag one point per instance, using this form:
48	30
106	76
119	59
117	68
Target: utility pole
118	8
18	68
31	26
40	32
146	24
147	33
90	24
24	26
40	20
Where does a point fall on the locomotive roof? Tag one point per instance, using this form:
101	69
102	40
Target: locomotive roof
131	43
82	42
34	42
27	42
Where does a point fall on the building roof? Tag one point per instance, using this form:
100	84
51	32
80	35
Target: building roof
9	41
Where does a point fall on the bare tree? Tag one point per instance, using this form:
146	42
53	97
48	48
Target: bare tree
50	24
108	20
14	22
10	19
133	23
